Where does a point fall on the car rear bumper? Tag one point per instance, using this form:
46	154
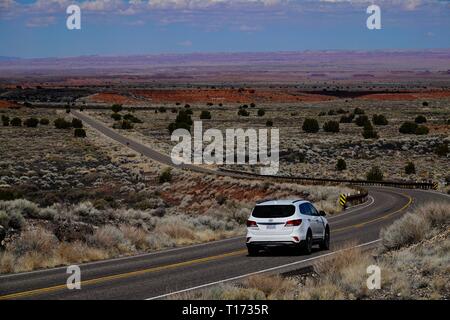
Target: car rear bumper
269	244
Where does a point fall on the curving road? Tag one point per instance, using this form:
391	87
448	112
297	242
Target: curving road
158	274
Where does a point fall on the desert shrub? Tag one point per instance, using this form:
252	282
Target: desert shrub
269	123
347	119
374	174
204	115
369	132
61	123
31	122
126	125
116	108
358	111
322	113
379	120
24	207
116	116
44	121
341	111
252	105
187	105
16	122
166	175
5	120
9	194
77	123
420	119
331	112
422	130
162	109
189	112
79	133
408	127
425	104
261	112
415	226
130	117
410	168
242	112
310	125
36	241
12	219
331	126
108	237
442	149
341	165
361	120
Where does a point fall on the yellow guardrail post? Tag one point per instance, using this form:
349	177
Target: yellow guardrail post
342	200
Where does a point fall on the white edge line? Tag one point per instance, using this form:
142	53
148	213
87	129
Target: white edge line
260	271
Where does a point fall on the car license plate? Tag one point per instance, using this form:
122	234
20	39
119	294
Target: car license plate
271	226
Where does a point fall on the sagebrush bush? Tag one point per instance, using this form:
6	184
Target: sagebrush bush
310	125
415	226
331	126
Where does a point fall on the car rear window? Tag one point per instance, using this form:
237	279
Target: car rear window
273	211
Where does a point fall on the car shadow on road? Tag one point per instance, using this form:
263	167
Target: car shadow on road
284	252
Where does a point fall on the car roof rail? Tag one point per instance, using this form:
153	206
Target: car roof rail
298	200
264	200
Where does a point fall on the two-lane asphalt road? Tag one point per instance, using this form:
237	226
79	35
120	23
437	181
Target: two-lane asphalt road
154	275
157	274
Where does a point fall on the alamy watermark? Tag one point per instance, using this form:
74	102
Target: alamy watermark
374	20
374	280
74	280
241	146
73	21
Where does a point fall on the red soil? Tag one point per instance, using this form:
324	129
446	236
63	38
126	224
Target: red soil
227	96
111	98
8	104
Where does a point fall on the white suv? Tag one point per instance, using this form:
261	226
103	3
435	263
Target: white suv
294	223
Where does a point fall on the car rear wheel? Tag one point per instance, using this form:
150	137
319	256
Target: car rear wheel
307	245
252	251
325	244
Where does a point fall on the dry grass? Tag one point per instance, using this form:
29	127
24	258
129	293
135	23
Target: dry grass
413	227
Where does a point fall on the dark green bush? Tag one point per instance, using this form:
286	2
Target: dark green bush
31	122
358	111
166	175
442	149
116	108
408	127
162	109
44	121
243	113
310	125
379	120
131	118
347	119
410	168
420	119
16	122
422	130
361	120
61	123
331	126
341	165
205	115
79	133
269	123
369	132
77	123
126	125
322	113
375	174
261	112
116	116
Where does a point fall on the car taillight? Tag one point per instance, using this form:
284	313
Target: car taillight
251	223
293	223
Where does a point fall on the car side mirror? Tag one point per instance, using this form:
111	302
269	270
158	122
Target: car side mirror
322	213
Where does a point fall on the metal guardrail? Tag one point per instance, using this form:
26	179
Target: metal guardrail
307	180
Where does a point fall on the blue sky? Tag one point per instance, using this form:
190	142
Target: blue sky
37	28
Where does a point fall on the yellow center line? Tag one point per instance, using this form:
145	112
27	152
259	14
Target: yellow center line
123	275
174	265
